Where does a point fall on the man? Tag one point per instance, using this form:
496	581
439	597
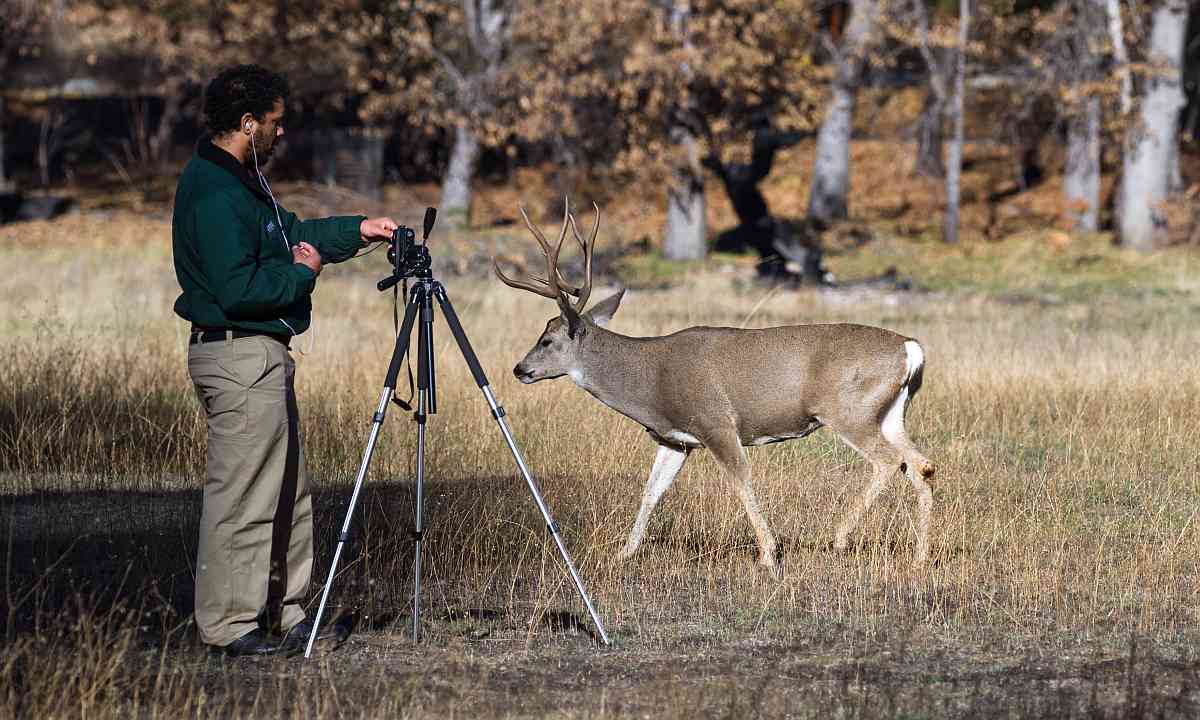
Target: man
247	268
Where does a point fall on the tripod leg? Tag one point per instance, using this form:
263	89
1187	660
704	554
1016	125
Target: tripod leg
464	345
410	314
424	407
418	515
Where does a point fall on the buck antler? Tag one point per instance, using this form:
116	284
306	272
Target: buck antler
555	286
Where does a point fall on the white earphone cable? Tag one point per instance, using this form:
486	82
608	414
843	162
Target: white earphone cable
262	181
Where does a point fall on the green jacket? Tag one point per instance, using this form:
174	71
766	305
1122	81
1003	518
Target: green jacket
233	262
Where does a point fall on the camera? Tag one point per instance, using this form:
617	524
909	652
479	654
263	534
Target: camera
407	258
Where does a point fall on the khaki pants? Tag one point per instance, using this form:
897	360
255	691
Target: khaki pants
255	555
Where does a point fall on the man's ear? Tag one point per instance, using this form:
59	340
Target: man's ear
569	317
603	311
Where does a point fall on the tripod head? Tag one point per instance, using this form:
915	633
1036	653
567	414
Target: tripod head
409	259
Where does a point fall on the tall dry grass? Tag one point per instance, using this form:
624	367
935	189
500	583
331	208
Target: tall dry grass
1065	502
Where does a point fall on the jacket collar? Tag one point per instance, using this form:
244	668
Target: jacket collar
222	159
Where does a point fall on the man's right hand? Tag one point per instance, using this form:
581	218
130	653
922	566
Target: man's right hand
307	255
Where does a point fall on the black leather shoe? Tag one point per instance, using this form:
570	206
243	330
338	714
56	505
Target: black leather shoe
296	638
254	642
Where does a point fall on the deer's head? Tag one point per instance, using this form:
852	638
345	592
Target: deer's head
557	351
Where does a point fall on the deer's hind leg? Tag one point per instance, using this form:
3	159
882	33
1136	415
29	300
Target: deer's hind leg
887	447
667	463
732	457
884	462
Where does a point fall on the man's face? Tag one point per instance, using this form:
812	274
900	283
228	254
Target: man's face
268	131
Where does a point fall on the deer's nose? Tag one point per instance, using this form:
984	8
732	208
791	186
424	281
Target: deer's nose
521	373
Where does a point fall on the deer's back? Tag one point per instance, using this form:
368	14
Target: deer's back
773	380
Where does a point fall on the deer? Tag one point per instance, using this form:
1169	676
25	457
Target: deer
727	389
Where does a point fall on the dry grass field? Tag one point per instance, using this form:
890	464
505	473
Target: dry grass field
1061	404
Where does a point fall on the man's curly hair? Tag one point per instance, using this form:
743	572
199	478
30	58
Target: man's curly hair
239	90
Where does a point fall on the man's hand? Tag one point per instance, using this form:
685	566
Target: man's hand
307	255
379	228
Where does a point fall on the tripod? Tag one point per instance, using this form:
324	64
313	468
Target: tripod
420	300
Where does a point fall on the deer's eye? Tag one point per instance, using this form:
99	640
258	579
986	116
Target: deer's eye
545	343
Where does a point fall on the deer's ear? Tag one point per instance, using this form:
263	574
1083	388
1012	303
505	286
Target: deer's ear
603	311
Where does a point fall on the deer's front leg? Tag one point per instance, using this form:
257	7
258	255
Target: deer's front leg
667	463
732	457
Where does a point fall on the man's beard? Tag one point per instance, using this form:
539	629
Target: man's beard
264	148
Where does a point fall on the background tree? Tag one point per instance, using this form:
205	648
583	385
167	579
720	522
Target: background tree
937	47
685	237
1081	59
619	106
24	35
449	68
169	49
827	200
950	225
1153	131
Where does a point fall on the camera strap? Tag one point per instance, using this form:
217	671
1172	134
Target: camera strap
405	405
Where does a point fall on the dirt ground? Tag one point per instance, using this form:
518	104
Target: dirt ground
902	672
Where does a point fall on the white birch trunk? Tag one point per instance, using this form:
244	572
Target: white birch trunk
954	155
3	168
827	198
685	236
1082	182
1175	182
1151	135
1116	35
455	207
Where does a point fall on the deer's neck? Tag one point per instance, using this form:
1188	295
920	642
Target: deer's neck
618	371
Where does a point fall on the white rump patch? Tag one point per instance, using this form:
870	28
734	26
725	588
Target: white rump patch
915	360
893	421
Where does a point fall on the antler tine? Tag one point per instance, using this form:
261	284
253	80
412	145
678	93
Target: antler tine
533	285
554	285
549	251
586	247
537	233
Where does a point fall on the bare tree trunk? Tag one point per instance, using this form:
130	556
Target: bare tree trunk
455	205
831	168
931	136
1175	183
931	127
43	152
4	185
1081	175
1116	35
161	139
685	236
487	28
950	225
1146	177
1082	181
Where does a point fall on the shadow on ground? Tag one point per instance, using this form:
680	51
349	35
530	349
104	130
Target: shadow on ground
138	549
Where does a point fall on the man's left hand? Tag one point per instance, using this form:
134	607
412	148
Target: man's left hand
379	228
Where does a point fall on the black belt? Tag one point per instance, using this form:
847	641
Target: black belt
203	336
